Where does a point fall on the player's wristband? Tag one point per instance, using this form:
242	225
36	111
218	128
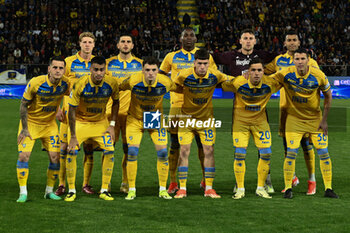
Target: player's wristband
112	123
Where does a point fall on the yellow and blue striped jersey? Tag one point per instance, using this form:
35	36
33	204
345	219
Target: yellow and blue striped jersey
121	69
198	91
283	61
250	101
280	62
45	98
91	100
77	67
176	61
145	97
303	92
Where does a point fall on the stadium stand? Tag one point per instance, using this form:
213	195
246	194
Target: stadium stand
33	31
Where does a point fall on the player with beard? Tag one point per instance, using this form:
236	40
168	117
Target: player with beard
122	66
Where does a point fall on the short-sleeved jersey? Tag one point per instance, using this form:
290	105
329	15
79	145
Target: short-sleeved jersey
280	62
91	100
45	97
250	101
283	61
145	97
303	92
176	61
238	63
77	67
121	69
198	91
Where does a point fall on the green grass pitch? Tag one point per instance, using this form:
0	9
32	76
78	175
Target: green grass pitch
148	213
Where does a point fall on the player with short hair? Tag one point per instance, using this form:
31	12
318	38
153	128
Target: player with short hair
173	63
88	122
198	85
250	118
292	43
237	63
303	84
78	65
121	67
148	88
39	105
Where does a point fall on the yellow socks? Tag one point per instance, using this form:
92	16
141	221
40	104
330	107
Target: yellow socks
52	174
132	166
182	173
162	167
239	166
209	174
107	168
71	170
263	165
289	167
22	176
326	167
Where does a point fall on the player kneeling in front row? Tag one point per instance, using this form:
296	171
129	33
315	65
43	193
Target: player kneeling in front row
39	105
198	85
148	88
250	117
88	122
303	84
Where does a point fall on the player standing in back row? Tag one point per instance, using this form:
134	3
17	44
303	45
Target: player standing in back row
174	62
283	61
122	66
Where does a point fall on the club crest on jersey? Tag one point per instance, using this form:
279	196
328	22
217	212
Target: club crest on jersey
151	120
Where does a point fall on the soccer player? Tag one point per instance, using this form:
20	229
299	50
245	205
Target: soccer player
282	61
121	67
250	118
174	62
78	65
148	88
303	84
40	102
237	63
88	121
198	85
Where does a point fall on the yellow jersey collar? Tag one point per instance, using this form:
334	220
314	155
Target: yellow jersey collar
146	84
82	59
50	83
127	60
198	77
304	76
189	52
252	86
93	84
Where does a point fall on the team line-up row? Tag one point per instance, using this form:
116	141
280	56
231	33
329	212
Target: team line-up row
109	97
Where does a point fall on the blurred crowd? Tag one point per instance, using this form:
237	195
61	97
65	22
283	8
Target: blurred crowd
32	31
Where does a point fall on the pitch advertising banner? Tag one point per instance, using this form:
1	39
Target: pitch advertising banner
17	76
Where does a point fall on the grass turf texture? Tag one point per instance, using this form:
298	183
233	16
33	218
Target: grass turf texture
148	213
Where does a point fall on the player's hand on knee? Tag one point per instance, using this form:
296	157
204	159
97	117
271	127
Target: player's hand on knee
110	131
324	126
22	135
73	143
60	116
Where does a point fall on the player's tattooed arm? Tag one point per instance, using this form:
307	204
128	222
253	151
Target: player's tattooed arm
24	119
73	143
